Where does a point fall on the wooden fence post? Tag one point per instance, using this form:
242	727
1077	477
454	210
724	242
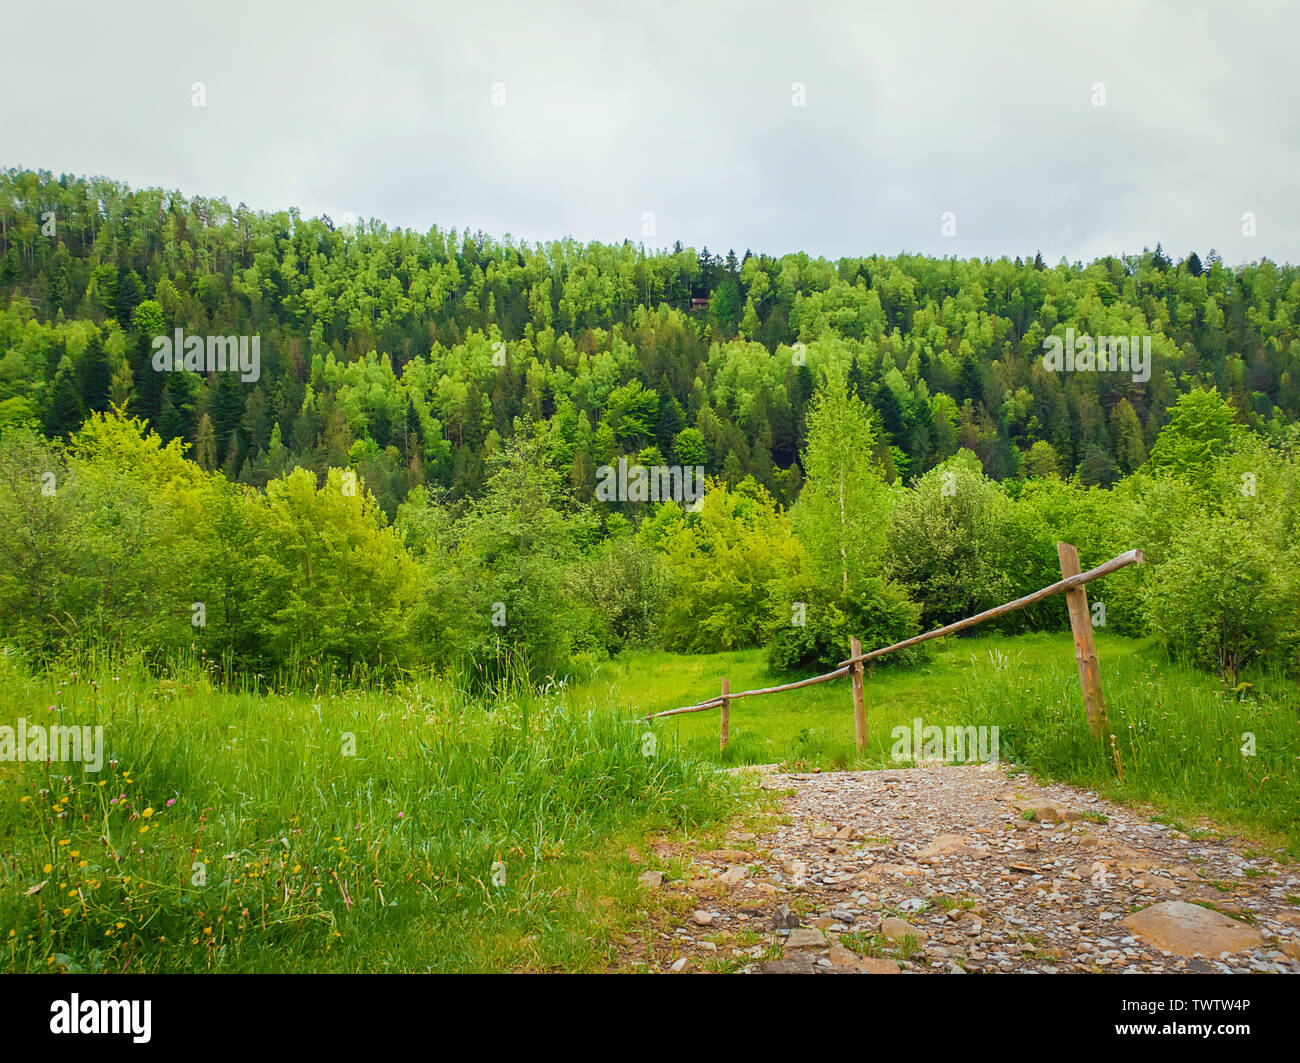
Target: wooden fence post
726	715
1085	649
859	701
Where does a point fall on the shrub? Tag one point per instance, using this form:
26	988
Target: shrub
724	561
949	544
1221	599
879	614
623	588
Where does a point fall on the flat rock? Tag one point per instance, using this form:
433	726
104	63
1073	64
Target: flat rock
1044	811
849	962
945	845
896	929
651	879
843	959
799	963
1187	929
805	938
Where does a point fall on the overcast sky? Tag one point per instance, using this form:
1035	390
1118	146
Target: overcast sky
687	112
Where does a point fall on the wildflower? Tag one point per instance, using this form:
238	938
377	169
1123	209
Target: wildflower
147	813
171	801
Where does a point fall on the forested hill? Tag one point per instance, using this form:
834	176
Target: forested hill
411	355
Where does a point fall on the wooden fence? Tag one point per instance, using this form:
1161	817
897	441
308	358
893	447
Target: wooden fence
1085	650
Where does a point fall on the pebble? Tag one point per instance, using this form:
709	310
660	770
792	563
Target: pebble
860	850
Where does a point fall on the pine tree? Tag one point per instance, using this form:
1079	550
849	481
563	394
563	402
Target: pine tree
94	377
857	380
65	411
970	385
891	414
670	422
205	445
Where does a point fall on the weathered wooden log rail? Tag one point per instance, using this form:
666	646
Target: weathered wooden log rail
1085	650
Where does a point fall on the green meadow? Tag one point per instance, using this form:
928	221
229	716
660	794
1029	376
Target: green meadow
416	828
1179	732
364	830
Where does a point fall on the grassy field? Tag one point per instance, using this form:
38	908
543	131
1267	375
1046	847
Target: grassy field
418	829
1179	733
414	830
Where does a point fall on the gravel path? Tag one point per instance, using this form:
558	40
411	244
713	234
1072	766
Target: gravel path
968	869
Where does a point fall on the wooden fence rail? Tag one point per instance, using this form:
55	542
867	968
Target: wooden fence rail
1085	649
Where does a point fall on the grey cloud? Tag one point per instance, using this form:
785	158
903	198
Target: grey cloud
685	110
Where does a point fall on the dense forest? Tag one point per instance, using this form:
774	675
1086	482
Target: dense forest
475	387
411	355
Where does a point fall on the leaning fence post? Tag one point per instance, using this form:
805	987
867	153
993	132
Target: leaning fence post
726	716
859	701
1085	648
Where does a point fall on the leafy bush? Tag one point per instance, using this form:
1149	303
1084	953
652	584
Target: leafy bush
879	614
1221	600
949	543
724	560
623	587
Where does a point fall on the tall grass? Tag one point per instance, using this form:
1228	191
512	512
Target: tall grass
1182	740
344	829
